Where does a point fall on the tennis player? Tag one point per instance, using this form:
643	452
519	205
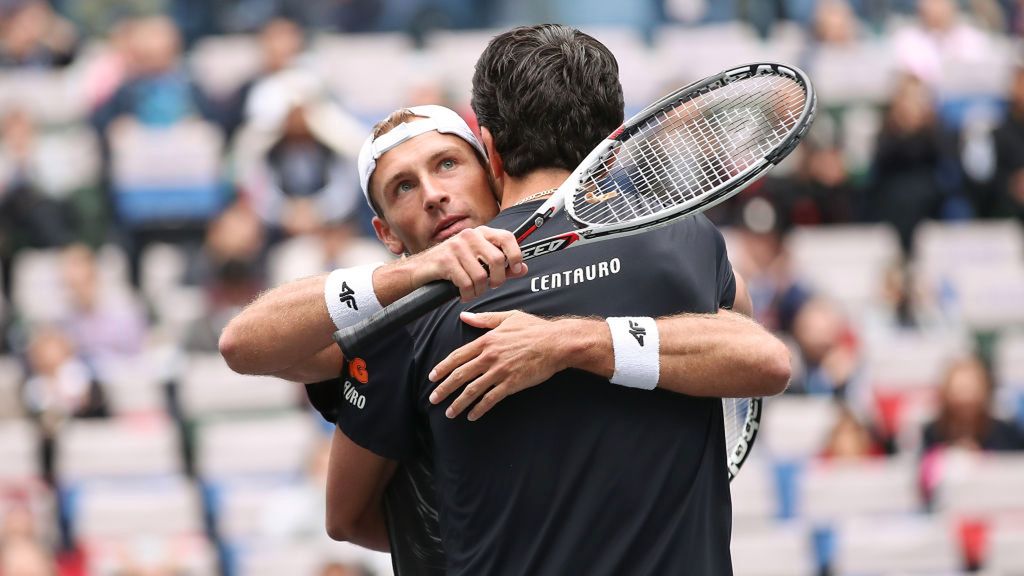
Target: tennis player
559	477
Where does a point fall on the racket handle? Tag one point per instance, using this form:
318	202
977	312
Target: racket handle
354	339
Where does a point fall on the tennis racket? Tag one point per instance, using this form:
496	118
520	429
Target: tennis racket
677	157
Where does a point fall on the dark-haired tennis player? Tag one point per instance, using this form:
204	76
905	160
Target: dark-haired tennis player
600	470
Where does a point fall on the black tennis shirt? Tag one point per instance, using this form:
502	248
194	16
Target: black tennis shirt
575	475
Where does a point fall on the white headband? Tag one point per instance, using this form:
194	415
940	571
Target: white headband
439	118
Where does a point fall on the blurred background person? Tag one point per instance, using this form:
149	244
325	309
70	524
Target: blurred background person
59	387
851	439
965	420
909	153
827	350
32	35
295	157
1007	193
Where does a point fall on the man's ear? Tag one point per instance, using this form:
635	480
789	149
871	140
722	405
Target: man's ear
493	158
387	236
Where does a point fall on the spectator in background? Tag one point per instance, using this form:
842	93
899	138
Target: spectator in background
820	192
25	557
281	42
835	24
965	418
777	295
231	270
59	387
908	156
827	350
296	155
851	439
33	36
939	38
158	90
1008	198
104	323
344	569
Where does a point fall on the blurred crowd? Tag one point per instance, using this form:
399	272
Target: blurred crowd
149	190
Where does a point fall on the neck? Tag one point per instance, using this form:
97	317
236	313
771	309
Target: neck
515	189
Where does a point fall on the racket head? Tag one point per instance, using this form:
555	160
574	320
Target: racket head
742	418
692	149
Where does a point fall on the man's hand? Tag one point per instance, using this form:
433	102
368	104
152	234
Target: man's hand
474	259
520	351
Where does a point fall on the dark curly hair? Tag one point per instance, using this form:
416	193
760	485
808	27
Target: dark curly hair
548	94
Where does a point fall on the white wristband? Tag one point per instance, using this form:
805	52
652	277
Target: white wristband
635	343
349	294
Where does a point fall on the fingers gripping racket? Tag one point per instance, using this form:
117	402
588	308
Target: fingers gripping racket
679	156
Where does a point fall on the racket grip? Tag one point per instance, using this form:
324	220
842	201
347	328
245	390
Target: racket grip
354	339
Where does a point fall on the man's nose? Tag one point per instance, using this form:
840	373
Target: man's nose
434	194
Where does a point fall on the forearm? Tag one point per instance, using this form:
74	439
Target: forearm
280	331
356	481
721	355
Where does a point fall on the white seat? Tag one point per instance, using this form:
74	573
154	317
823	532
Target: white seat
50	97
862	72
454	55
208	386
37	289
1006	541
20	457
269	509
353	63
992	298
139	508
307	557
754	493
830	490
696	52
135	384
783	549
846	263
1009	360
221	64
910	360
162	269
898	545
274	445
796	427
979	484
118	448
191	554
184	154
76	151
10	388
943	247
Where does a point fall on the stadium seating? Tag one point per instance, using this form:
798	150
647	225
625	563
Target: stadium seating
979	485
896	545
19	451
773	550
10	387
90	450
221	64
209	387
796	427
166	174
279	446
834	490
846	263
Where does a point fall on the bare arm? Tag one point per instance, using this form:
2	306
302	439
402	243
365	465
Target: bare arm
720	355
356	480
287	331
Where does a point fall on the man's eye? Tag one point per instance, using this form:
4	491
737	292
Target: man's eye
447	164
404	187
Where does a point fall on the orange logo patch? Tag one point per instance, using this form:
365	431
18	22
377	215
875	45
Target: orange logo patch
357	369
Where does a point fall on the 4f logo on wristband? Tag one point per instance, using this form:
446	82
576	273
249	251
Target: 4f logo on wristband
347	296
638	332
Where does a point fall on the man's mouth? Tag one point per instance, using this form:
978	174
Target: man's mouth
449	227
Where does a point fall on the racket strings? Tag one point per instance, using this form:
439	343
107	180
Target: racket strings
736	413
689	150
